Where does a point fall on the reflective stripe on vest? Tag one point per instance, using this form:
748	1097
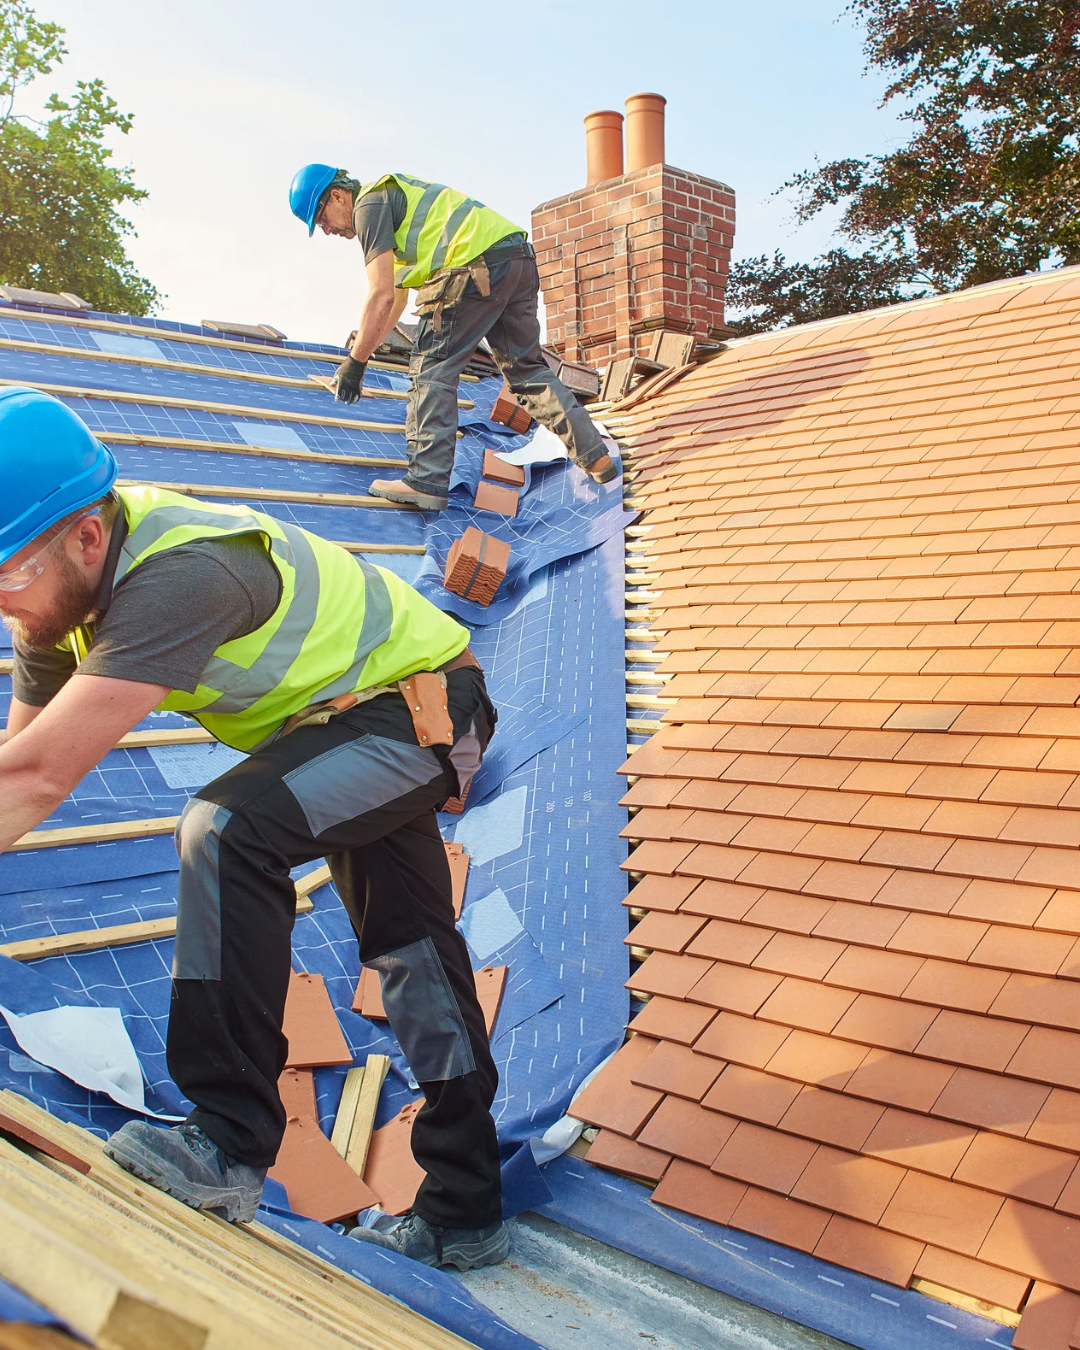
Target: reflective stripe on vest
441	228
341	625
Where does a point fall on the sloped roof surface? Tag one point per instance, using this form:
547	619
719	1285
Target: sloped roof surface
859	866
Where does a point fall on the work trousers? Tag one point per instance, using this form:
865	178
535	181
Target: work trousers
361	792
508	319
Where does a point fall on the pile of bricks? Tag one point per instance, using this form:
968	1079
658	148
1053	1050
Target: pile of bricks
509	412
476	566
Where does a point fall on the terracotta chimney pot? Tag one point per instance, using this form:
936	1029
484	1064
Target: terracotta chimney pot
644	131
603	146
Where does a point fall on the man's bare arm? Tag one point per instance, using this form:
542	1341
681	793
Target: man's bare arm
20	715
62	743
383	307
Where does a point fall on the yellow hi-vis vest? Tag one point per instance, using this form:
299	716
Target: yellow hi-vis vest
341	625
442	228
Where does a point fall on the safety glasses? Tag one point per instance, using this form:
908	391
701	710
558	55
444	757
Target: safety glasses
18	578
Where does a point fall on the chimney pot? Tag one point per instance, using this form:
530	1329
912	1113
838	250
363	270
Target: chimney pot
644	131
603	145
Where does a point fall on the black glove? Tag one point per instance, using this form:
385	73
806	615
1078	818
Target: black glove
349	380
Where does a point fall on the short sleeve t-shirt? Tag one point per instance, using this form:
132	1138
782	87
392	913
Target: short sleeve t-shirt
164	620
377	217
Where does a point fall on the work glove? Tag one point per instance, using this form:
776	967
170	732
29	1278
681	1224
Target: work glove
349	380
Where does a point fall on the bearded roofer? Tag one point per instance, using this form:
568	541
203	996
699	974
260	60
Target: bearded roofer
474	274
126	599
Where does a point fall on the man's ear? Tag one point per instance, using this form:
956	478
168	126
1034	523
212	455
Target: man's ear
91	539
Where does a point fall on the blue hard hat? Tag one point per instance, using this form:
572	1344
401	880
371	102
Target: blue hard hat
50	465
306	188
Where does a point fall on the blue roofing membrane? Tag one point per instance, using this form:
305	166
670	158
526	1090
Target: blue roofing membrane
544	889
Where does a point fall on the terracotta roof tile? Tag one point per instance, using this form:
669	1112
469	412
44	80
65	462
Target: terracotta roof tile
734	988
1050	1315
921	1142
791	913
764	1157
831	1118
807	1005
656	856
624	1155
1058	1123
793	954
742	1040
900	1080
664	932
953	985
877	972
1015	1167
677	1070
721	940
929	935
1002	901
1037	999
695	1190
989	1284
885	1022
669	975
809	1058
980	1042
611	1100
664	894
718	899
847	1183
949	1215
751	1095
687	1130
779	1219
1036	1242
921	892
859	1246
672	1019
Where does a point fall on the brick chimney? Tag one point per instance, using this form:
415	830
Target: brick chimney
633	251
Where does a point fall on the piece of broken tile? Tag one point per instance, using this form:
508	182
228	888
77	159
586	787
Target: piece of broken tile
392	1172
311	1026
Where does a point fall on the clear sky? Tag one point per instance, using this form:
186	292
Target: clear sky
230	97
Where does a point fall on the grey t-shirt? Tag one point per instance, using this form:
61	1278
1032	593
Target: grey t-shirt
376	219
164	620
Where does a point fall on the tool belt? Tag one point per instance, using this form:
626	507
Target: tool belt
424	694
446	287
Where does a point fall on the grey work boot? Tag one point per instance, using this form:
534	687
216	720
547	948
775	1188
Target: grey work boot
603	469
413	1236
397	490
185	1163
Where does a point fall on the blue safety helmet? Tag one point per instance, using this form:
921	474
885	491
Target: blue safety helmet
306	188
50	465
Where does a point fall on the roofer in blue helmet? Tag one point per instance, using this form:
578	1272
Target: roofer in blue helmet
124	598
474	274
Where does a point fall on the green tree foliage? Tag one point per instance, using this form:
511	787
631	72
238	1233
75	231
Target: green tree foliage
769	293
988	185
60	226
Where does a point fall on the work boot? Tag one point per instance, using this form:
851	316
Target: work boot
413	1236
601	470
397	490
185	1163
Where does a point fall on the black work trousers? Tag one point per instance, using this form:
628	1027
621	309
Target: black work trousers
362	793
508	319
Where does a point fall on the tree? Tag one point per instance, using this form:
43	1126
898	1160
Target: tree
771	293
60	226
988	185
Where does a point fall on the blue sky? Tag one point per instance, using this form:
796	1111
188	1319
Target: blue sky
230	98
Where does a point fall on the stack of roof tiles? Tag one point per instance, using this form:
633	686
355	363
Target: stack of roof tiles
476	565
859	867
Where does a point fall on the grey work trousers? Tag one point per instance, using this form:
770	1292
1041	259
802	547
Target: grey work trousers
508	319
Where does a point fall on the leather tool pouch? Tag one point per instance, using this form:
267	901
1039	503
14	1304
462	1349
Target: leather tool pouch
425	695
447	286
